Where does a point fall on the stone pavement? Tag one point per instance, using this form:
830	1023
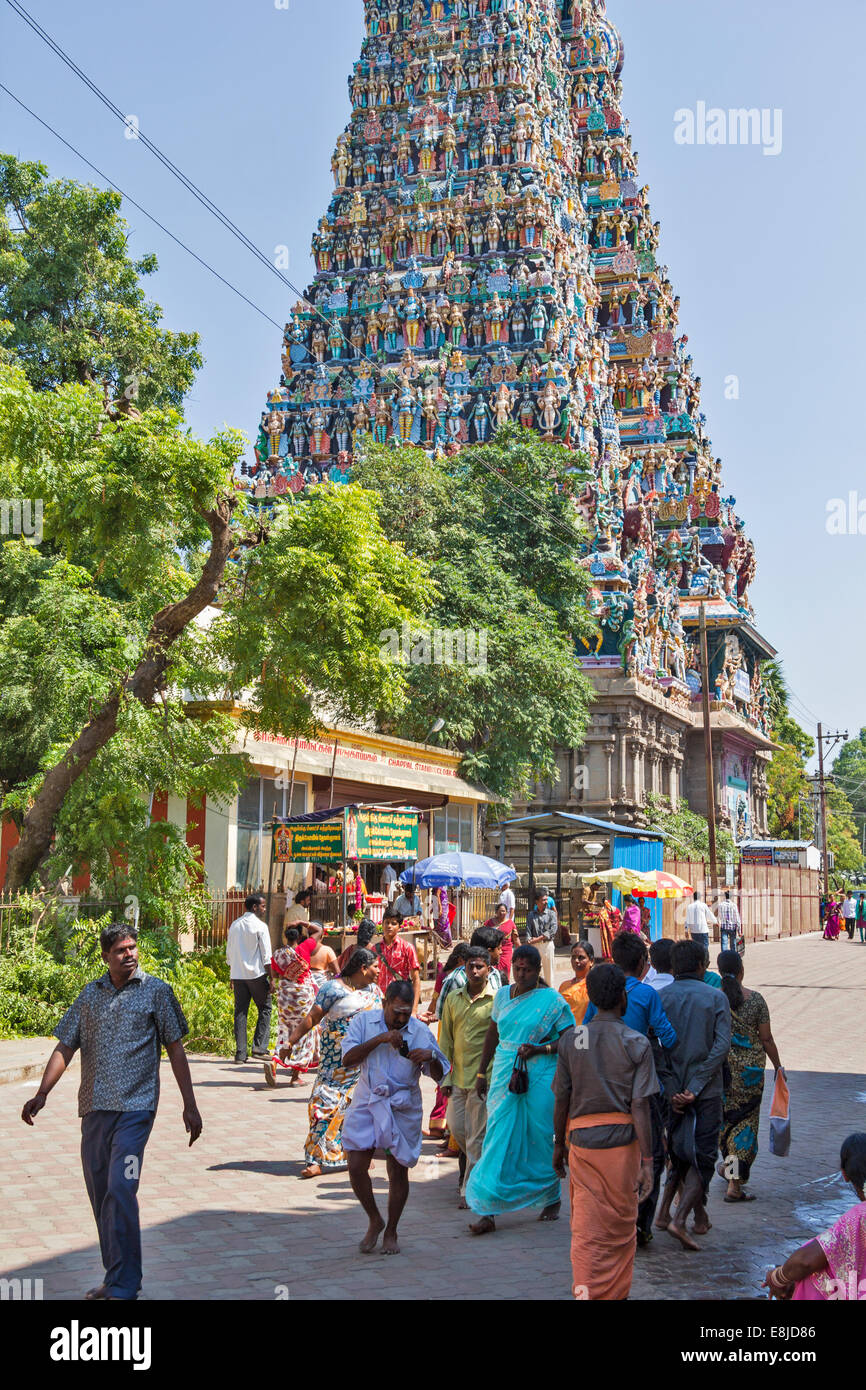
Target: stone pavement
229	1219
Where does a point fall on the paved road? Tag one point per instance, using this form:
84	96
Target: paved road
229	1219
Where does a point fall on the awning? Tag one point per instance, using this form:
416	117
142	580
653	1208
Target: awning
565	825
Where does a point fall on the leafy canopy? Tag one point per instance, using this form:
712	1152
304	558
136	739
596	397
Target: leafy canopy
125	504
687	834
72	308
498	529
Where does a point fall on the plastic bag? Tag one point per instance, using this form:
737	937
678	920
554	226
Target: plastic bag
780	1117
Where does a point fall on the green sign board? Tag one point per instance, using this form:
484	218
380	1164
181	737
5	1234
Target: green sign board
369	834
382	834
309	844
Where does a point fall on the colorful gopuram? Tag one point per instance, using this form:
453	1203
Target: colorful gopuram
489	256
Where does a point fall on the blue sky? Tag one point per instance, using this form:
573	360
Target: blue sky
765	252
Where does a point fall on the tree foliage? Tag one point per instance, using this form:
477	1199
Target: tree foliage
792	794
687	834
106	623
498	529
72	308
849	775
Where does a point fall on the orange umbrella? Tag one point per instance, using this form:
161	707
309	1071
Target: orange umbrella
662	885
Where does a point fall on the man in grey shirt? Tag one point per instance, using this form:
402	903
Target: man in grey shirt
542	925
691	1074
120	1022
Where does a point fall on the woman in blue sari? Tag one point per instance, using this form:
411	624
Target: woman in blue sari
516	1165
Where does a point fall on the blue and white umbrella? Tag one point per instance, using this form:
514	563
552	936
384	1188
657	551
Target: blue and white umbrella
456	870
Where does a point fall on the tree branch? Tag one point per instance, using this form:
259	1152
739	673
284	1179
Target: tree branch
37	829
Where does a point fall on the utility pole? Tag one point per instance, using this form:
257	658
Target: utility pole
833	739
708	750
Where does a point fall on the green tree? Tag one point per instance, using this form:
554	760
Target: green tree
72	308
152	579
843	842
789	800
687	834
849	774
497	527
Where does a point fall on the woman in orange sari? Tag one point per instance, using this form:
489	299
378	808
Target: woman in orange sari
609	922
574	991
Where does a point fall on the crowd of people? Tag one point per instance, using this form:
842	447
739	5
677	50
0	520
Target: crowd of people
846	914
637	1081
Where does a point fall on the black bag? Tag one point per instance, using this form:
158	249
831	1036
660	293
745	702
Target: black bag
519	1083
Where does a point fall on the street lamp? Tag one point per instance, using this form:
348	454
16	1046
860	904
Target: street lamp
436	729
593	849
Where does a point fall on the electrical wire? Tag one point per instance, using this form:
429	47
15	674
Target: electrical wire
178	241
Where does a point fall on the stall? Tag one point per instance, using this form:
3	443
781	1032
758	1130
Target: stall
344	836
615	846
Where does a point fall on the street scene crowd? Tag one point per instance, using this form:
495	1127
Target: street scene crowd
637	1082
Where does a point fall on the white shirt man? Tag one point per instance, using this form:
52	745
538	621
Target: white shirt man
408	904
389	879
248	952
699	919
849	908
507	897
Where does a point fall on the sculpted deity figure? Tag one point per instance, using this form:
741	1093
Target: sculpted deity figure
502	407
549	401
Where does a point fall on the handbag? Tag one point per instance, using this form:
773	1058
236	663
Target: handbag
780	1117
519	1083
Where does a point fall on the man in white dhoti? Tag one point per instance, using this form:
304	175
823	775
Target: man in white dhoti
392	1048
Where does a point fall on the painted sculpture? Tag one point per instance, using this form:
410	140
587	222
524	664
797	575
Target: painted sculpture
488	255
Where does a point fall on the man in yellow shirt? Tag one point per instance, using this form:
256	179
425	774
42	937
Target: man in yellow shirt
462	1030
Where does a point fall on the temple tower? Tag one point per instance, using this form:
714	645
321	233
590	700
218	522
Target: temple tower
488	255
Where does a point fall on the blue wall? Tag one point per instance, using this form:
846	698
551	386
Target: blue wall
632	853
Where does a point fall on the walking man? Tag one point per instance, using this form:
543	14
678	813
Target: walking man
644	1013
463	1028
542	925
120	1022
604	1081
248	952
849	914
730	926
699	920
692	1078
392	1048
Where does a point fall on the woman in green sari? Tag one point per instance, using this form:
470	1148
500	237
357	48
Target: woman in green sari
516	1165
751	1044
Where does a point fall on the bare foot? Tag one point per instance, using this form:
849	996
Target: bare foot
702	1224
462	1205
682	1236
551	1213
389	1243
482	1227
312	1170
94	1295
374	1230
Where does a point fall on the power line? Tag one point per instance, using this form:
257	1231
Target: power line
550	521
134	204
202	197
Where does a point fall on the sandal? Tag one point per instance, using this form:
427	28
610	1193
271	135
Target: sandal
743	1197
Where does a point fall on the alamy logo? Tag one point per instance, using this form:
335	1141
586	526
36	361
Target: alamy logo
21	1290
77	1343
738	126
435	646
21	517
846	518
